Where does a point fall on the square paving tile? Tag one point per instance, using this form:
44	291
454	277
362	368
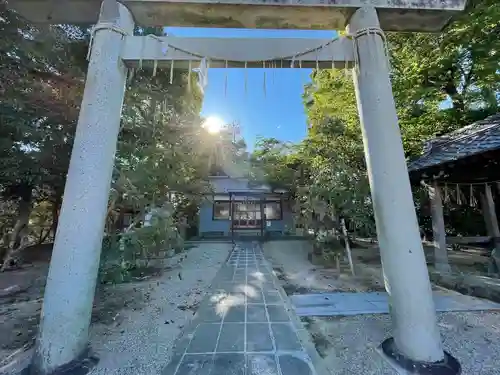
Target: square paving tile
232	338
258	276
240	280
204	338
261	364
255	296
265	285
277	313
195	364
229	364
272	297
259	338
245	289
256	313
235	314
285	337
228	292
210	314
223	288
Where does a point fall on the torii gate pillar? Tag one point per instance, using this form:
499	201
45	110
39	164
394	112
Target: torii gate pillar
417	342
69	293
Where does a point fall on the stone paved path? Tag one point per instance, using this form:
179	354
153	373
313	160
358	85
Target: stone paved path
245	325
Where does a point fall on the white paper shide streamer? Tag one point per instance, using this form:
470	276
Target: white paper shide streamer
203	75
166	46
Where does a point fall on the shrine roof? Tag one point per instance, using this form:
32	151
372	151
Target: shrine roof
474	139
394	15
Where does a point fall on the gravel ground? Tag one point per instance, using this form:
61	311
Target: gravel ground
142	342
348	344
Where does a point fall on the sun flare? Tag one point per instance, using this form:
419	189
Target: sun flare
213	124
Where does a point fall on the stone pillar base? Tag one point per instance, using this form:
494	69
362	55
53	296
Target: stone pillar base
79	366
406	366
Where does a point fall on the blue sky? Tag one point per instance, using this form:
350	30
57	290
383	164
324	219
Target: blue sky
275	112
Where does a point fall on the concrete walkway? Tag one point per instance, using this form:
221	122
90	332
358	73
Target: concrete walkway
245	325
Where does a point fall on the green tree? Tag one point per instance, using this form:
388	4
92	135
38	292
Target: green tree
334	149
40	89
274	162
444	81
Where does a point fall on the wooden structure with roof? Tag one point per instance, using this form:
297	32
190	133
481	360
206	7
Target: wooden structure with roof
462	166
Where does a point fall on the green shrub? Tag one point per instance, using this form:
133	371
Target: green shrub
125	252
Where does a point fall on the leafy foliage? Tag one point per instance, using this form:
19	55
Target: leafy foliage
275	162
444	81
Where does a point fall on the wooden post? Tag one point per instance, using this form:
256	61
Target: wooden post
263	220
489	213
491	221
231	215
347	246
490	232
438	229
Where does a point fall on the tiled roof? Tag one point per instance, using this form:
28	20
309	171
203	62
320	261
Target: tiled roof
479	137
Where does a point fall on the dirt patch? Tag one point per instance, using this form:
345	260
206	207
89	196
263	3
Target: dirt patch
466	277
472	285
20	305
289	287
20	314
299	276
22	297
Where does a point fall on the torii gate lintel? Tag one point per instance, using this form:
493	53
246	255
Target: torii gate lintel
400	15
277	53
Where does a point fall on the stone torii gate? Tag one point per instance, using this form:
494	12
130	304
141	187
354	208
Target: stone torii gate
62	342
